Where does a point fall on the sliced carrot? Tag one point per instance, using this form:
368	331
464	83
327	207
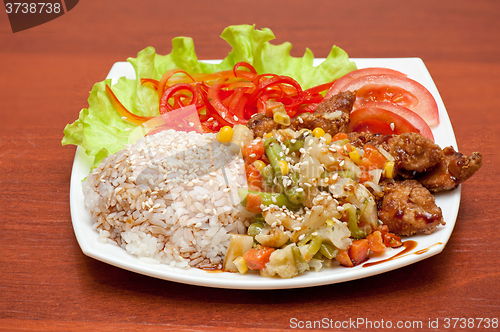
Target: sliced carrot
344	259
254	179
359	251
253	151
373	158
257	258
392	241
339	136
376	242
254	201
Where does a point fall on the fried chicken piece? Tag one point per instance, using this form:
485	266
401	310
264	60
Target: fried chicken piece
412	152
260	124
454	169
332	115
360	139
408	208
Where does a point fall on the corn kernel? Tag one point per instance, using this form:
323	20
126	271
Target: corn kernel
268	135
355	156
241	265
318	132
281	118
328	138
259	164
284	167
225	134
389	169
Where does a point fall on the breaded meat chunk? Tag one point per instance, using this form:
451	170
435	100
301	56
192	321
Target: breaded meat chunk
454	169
260	124
413	153
332	115
408	208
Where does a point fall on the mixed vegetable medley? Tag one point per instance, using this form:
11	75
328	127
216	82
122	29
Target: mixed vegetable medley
313	199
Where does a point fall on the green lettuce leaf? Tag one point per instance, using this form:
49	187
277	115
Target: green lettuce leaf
101	131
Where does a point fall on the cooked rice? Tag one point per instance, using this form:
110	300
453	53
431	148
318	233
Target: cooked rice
169	199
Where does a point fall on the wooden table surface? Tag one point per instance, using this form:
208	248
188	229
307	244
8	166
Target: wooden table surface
48	284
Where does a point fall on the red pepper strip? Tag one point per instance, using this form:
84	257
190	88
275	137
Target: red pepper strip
259	78
150	81
217	77
165	106
292	103
246	75
261	104
305	108
210	111
215	101
226	96
312	99
249	86
319	88
164	79
179	99
244	64
275	81
126	114
228	100
238	102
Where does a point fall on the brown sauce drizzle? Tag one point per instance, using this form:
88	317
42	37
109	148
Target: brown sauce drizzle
408	246
423	251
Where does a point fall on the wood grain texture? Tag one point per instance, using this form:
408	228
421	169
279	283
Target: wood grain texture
47	284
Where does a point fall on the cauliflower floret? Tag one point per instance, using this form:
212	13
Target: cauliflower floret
272	237
324	208
281	263
338	235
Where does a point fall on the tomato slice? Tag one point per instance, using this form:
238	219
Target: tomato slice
341	82
376	120
397	89
415	119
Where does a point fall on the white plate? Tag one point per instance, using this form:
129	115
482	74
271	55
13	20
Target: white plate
428	245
